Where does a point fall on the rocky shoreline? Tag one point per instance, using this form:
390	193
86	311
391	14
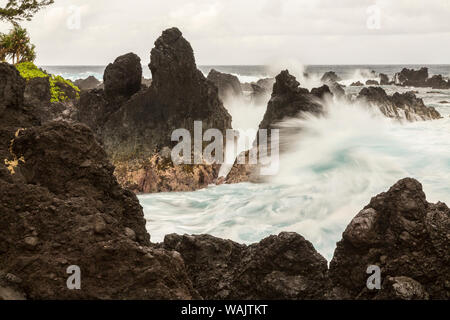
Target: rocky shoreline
63	200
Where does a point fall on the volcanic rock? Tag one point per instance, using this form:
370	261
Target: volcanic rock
404	235
384	79
357	84
438	82
70	211
228	85
372	83
266	83
330	76
178	96
284	267
321	92
412	78
12	87
399	106
89	83
288	100
123	77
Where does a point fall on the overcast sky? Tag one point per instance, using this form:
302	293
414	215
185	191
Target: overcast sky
94	32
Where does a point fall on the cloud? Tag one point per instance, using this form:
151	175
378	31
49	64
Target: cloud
246	31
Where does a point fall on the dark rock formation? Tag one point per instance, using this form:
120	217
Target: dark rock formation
438	82
412	78
13	113
123	77
384	79
89	83
266	83
37	92
135	129
399	106
279	267
12	86
321	92
337	89
372	83
357	84
228	85
178	96
330	76
404	235
288	100
66	208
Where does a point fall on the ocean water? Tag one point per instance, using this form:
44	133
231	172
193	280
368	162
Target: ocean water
335	166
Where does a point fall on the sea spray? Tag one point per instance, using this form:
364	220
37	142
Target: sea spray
337	163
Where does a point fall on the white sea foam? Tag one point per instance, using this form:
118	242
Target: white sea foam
337	164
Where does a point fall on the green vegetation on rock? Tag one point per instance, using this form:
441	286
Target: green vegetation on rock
29	71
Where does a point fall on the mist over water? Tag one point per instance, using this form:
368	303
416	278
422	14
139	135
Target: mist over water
334	167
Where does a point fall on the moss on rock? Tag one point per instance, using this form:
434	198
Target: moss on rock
28	71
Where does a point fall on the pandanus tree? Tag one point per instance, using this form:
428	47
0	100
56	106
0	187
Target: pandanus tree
16	46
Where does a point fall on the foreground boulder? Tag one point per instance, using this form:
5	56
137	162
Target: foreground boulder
228	84
284	267
404	235
404	106
64	209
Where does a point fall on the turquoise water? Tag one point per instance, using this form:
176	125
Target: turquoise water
336	165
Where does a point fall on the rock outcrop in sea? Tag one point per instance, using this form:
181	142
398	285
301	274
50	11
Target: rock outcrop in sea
330	76
420	78
288	100
228	84
400	106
